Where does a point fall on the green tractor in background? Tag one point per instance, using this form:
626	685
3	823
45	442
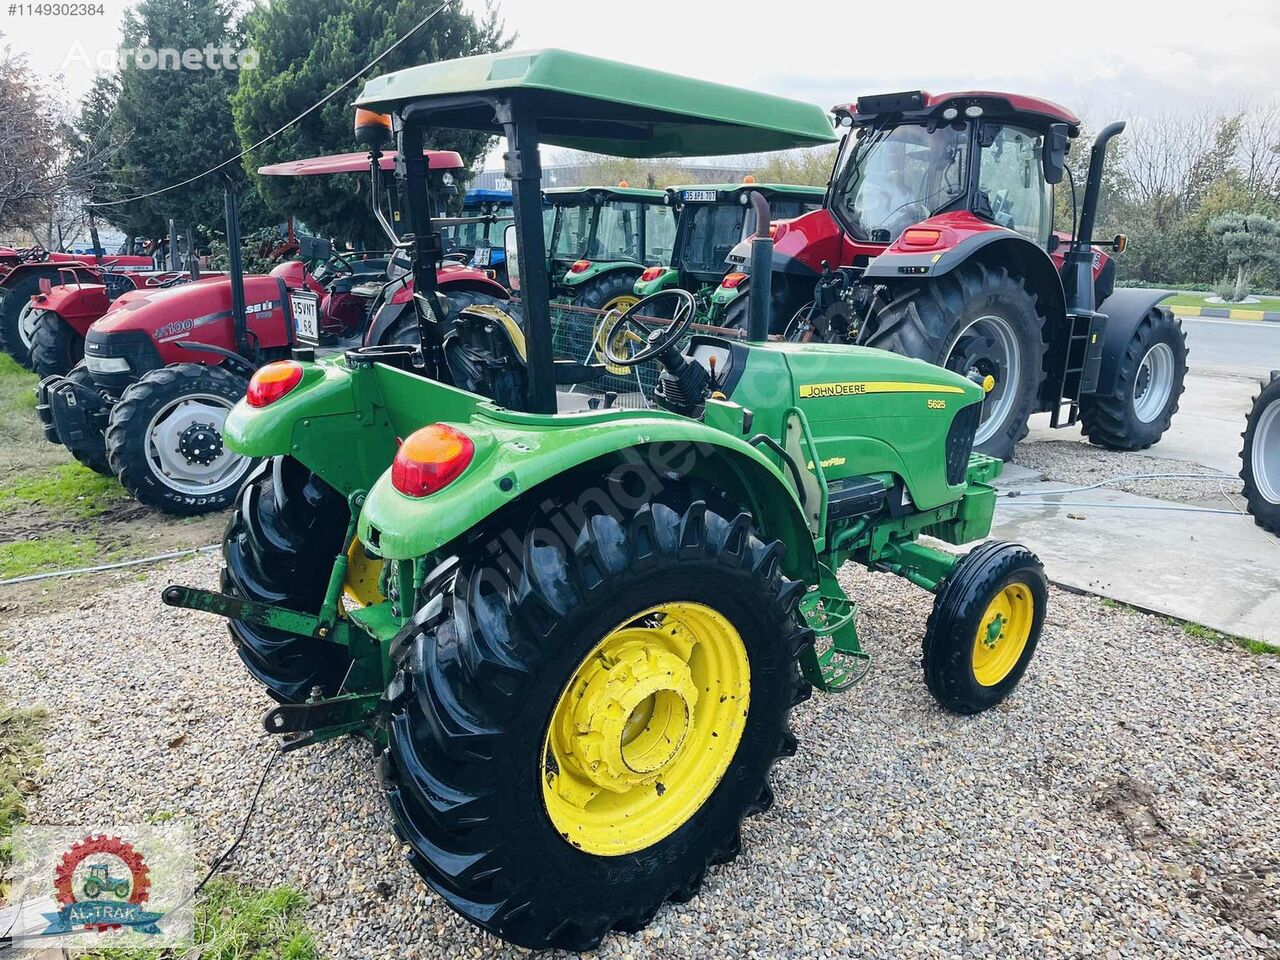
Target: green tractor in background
602	239
714	218
575	633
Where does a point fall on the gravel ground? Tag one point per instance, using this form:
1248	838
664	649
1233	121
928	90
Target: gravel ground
1075	463
1120	804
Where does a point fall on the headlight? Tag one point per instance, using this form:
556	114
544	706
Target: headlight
106	364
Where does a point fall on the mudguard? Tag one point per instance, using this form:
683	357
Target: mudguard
516	453
598	268
1124	310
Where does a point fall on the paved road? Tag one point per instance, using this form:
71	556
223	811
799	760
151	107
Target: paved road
1233	347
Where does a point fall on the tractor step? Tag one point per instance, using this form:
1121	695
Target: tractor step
831	615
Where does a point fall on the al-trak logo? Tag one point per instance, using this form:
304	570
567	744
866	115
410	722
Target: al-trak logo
102	883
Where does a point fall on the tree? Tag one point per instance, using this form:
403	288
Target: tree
306	49
29	147
169	124
1251	242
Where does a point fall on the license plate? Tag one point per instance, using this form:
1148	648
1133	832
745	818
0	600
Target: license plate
699	196
306	317
483	256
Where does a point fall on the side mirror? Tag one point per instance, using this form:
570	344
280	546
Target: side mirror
513	257
314	248
1055	152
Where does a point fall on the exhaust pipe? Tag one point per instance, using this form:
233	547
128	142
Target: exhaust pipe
1081	297
761	293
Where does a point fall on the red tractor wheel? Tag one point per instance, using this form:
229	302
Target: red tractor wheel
1260	457
164	439
979	322
16	319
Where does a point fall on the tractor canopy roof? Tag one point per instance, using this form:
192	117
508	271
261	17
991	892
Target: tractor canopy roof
575	196
731	191
920	105
587	103
355	163
475	198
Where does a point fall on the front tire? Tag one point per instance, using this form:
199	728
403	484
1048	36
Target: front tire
55	346
279	548
164	439
478	755
1260	457
15	330
974	321
1148	384
984	627
93	457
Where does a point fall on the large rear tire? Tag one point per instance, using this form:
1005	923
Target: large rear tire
614	290
976	321
1148	384
164	439
405	330
15	330
1260	457
55	346
484	780
279	548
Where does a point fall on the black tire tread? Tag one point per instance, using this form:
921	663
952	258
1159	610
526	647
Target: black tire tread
55	347
1104	420
918	320
438	774
129	469
973	580
1265	514
15	298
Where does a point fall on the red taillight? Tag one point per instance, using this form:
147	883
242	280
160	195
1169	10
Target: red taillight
920	237
732	281
430	459
46	286
273	381
580	266
651	273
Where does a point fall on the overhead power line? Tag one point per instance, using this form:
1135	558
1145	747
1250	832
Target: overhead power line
275	133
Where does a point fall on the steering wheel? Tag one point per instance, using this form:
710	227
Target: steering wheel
629	329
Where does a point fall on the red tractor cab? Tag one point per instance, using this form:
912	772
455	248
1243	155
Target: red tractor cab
163	367
937	241
21	280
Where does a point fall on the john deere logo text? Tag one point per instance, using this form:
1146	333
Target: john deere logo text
861	387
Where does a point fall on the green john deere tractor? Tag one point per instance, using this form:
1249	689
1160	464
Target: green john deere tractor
602	238
712	219
575	633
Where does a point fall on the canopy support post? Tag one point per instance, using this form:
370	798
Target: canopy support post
524	170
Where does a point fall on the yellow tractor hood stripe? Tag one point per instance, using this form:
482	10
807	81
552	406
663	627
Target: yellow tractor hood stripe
857	387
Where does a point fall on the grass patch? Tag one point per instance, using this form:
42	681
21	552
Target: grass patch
238	922
69	489
17	401
1198	300
19	759
59	551
1201	632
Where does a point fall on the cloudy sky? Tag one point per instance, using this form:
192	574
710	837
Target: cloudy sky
1137	57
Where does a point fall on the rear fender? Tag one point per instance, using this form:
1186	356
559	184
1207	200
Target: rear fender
78	304
343	423
522	459
1124	310
597	269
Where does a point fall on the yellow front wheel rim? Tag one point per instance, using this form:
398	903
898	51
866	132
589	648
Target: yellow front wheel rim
646	728
1003	633
609	332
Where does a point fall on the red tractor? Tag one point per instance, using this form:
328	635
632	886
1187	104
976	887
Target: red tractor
164	367
936	241
26	270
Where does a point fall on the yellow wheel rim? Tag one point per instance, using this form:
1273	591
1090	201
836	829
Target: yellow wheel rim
645	729
364	576
609	332
1003	634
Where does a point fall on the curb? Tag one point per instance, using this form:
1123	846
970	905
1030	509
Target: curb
1222	313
